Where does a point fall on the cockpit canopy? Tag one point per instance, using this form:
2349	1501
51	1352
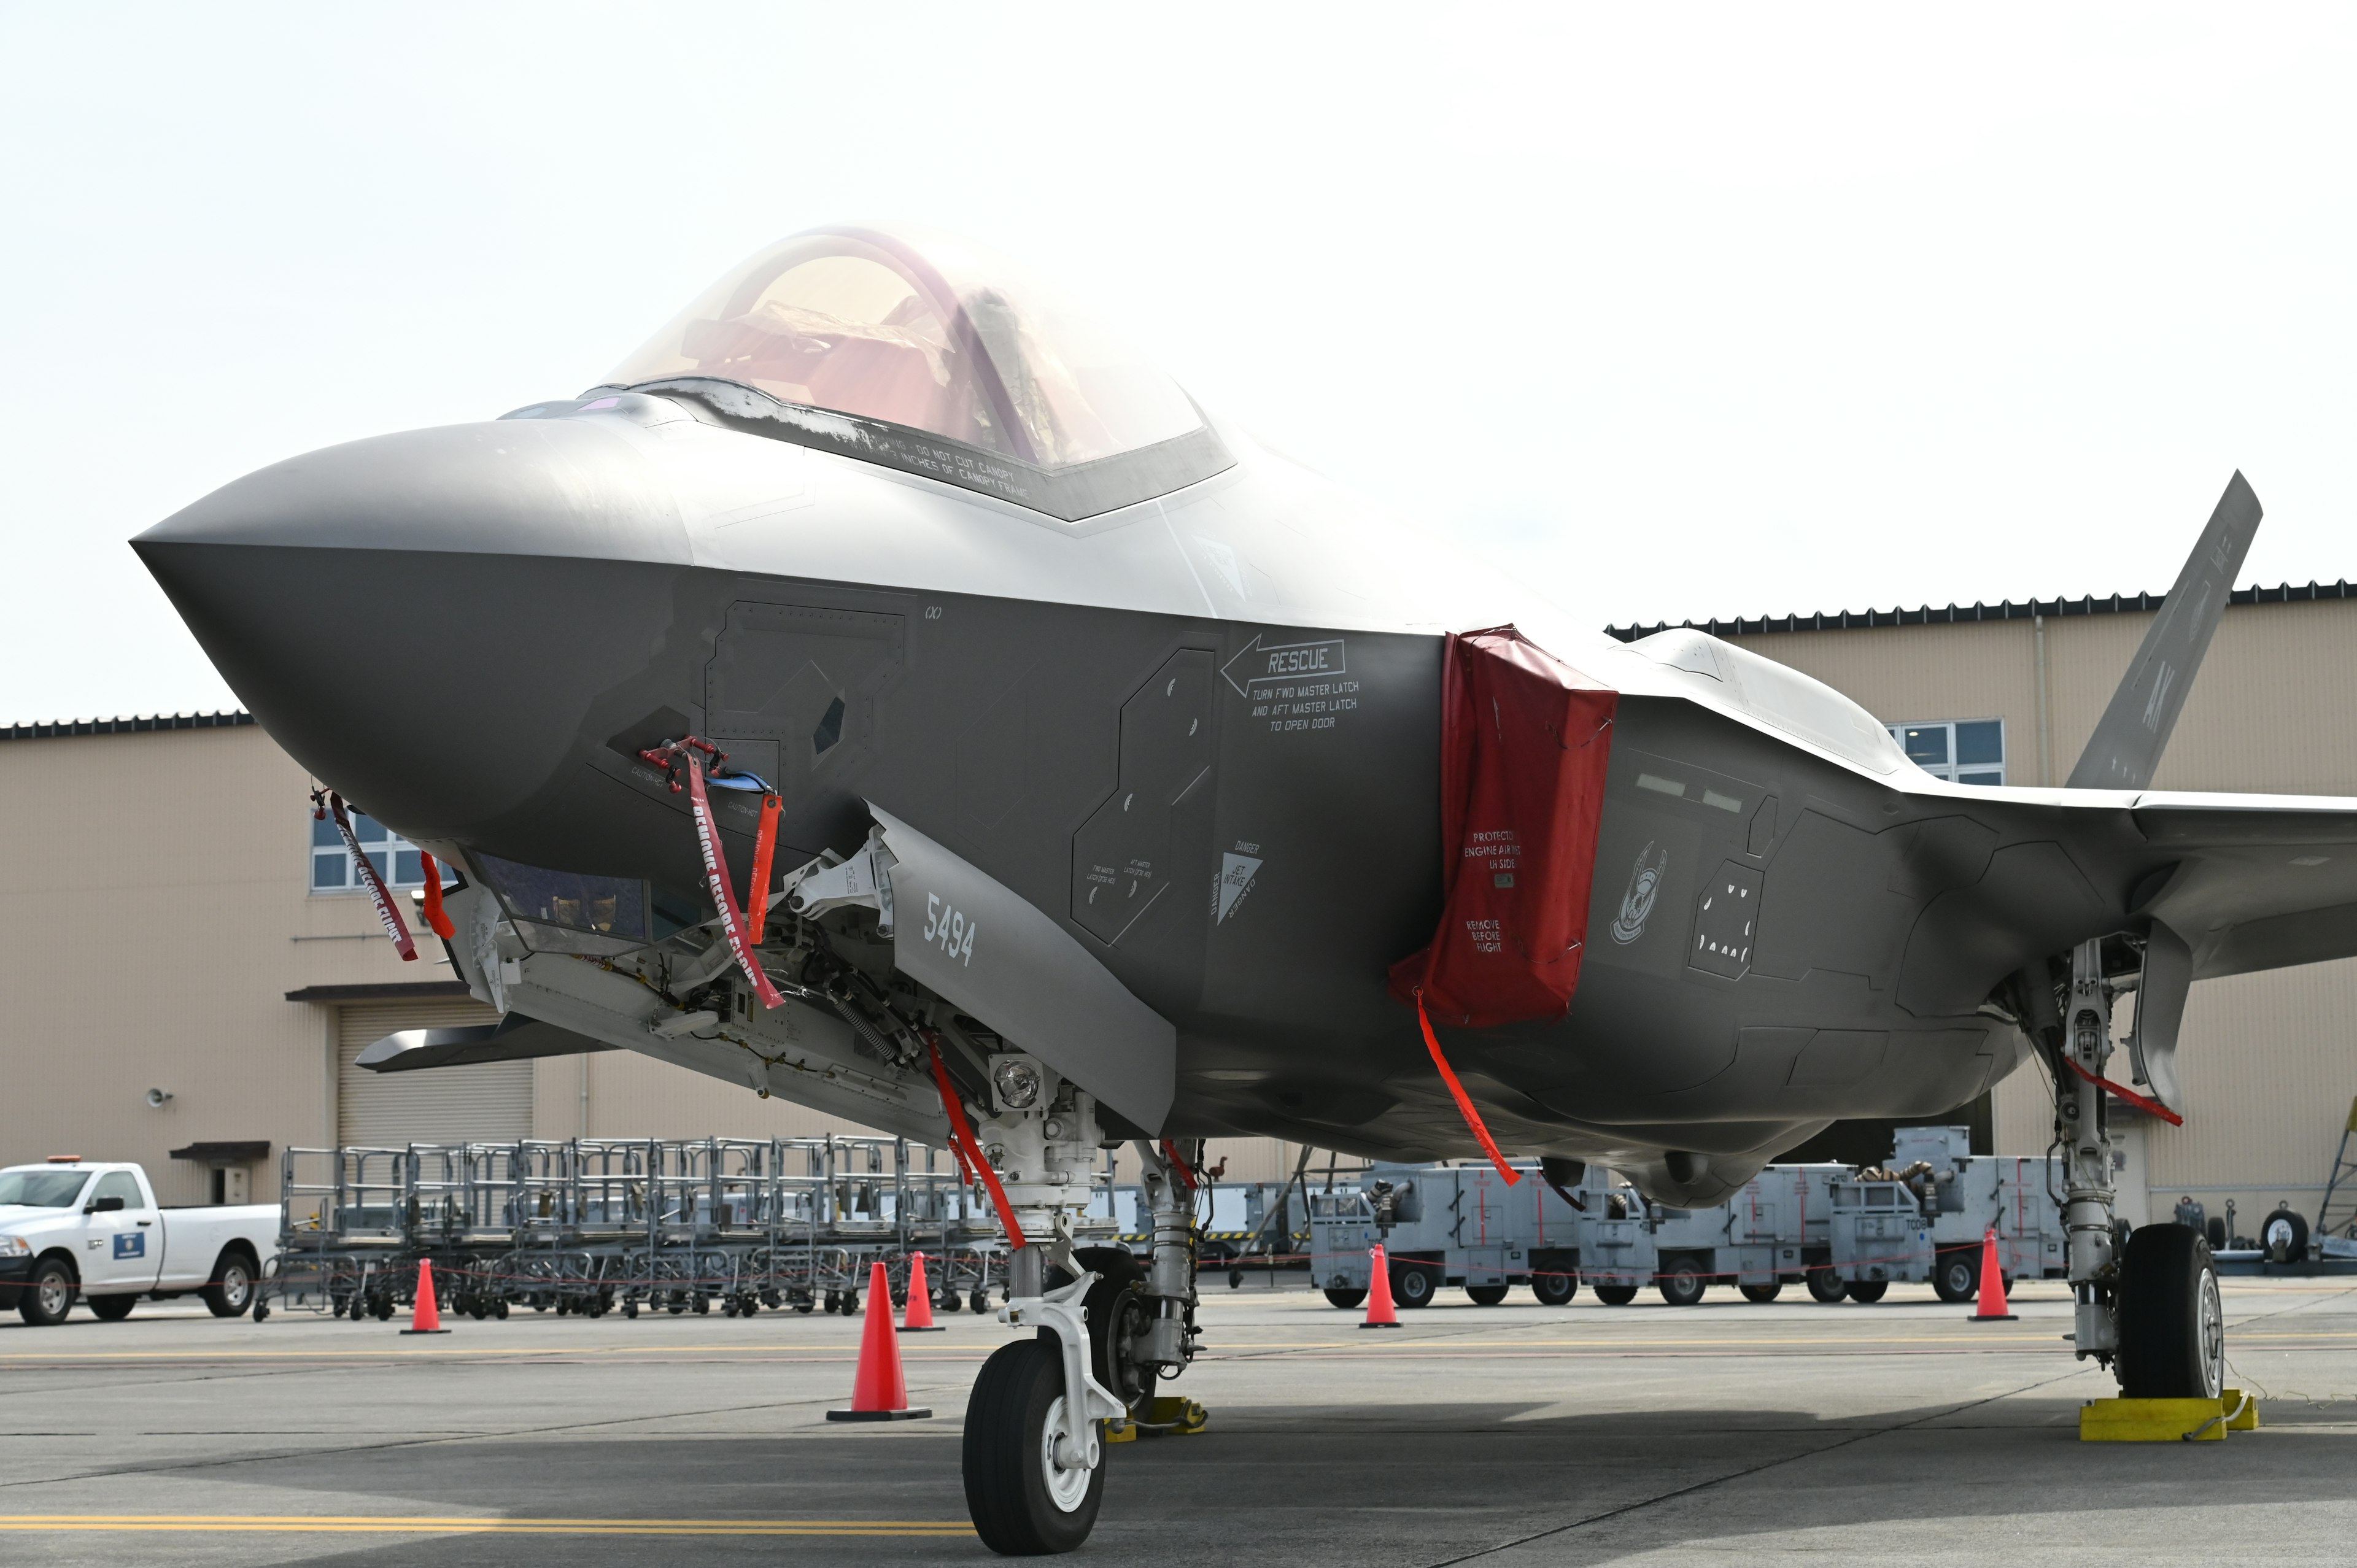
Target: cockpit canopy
923	332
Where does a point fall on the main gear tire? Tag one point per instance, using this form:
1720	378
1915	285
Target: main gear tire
2172	1324
1023	1502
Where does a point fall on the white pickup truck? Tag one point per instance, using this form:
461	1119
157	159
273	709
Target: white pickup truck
70	1227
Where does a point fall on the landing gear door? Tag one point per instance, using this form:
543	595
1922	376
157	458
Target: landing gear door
994	955
2159	1009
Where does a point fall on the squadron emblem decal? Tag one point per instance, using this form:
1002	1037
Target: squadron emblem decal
1637	904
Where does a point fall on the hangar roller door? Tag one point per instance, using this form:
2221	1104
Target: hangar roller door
492	1104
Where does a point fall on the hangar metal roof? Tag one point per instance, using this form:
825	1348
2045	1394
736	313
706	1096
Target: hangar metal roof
1933	614
51	729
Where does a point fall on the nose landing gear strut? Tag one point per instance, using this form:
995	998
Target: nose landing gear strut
1034	1454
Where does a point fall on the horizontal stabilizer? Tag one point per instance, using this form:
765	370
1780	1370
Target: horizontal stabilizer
514	1038
2125	748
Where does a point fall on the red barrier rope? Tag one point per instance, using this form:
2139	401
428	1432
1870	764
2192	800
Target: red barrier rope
2149	1107
1464	1100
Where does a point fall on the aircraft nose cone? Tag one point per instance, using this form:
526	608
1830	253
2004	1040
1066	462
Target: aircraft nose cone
422	620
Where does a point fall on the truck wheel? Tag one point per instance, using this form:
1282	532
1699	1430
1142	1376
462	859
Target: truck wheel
1413	1285
48	1295
1616	1295
1869	1291
1486	1296
231	1290
1956	1277
1555	1289
1345	1299
1763	1295
1826	1286
1023	1502
2172	1327
1681	1285
113	1308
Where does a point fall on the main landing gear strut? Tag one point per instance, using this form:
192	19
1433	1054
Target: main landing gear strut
2148	1307
1034	1453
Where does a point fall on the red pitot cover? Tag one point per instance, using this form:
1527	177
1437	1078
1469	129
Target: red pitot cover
1525	740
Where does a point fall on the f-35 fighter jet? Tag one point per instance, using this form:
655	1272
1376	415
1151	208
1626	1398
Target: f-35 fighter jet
888	692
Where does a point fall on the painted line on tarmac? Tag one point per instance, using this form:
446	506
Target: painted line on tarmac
385	1524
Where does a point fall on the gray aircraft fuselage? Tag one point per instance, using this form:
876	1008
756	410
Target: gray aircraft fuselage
1200	730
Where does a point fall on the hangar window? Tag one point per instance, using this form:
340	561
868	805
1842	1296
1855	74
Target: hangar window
395	858
1968	751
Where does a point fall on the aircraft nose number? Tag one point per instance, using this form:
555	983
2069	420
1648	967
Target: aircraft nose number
948	928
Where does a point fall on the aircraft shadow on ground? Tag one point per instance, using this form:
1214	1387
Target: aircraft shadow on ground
1340	1484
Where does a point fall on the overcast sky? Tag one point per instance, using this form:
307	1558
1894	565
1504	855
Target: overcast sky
1692	312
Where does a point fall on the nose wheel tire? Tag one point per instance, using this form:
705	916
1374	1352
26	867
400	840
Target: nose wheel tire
47	1296
2172	1325
1024	1502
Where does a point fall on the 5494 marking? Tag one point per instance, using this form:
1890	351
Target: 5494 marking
948	928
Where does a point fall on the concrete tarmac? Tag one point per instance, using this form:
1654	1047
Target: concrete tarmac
1515	1435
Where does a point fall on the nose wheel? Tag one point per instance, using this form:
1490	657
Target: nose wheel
1029	1494
2172	1324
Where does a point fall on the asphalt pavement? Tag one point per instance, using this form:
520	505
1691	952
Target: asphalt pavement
1513	1435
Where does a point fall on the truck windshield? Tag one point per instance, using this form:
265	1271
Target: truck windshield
41	1189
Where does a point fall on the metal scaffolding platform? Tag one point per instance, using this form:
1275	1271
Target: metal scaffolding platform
590	1225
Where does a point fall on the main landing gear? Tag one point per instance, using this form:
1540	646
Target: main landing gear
2147	1305
1106	1330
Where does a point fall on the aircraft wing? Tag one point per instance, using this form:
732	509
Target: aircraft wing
2259	881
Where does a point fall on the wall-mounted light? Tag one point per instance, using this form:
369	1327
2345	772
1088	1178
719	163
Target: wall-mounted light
158	1098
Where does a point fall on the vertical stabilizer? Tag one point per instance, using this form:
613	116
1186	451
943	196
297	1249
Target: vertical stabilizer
2126	745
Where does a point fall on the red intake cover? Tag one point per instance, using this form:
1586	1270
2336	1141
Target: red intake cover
1525	740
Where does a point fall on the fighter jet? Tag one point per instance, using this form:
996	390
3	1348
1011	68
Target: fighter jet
887	692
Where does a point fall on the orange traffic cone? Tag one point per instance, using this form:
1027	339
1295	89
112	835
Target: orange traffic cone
878	1392
1380	1314
919	1318
424	1317
1991	1307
